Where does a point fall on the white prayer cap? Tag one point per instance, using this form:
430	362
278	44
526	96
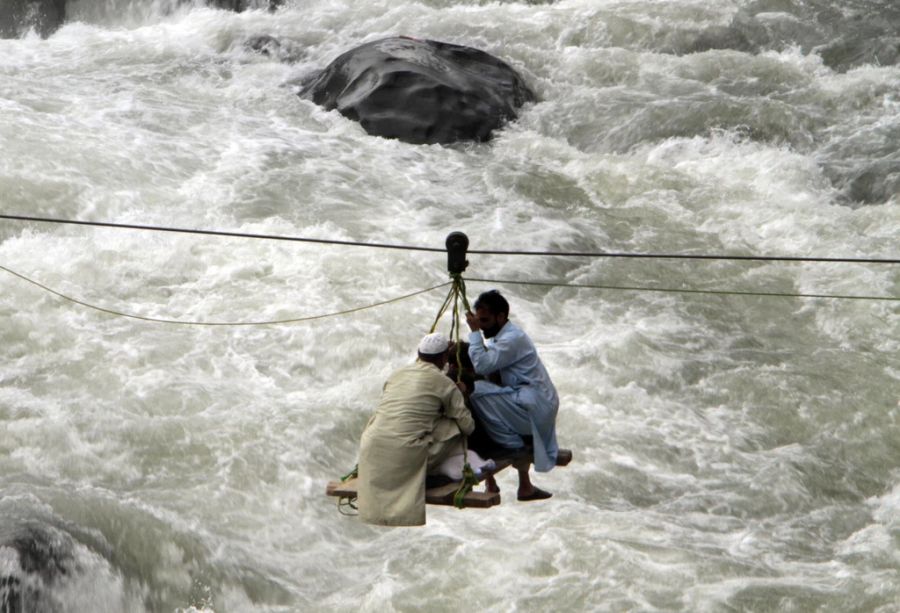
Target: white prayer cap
433	344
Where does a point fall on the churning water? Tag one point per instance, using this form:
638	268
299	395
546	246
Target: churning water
732	453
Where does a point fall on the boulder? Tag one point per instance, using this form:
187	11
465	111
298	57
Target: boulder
19	16
243	5
45	16
33	558
271	47
264	45
421	91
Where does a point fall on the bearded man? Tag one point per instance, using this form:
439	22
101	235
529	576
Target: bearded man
525	402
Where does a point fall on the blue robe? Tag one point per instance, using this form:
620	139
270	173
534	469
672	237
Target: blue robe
526	403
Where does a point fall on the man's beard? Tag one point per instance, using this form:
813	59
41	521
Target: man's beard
492	331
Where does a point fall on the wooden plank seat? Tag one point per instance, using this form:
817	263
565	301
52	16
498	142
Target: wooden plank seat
443	494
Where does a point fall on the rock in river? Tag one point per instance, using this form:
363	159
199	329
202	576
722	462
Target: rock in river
421	91
20	16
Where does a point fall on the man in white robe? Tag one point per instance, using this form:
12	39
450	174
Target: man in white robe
419	422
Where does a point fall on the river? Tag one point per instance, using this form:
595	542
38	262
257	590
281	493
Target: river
731	452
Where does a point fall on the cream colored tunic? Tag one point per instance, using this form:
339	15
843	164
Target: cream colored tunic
416	426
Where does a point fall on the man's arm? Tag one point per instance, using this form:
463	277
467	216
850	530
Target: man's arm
503	352
455	408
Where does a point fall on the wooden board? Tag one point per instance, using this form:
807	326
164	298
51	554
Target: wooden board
443	494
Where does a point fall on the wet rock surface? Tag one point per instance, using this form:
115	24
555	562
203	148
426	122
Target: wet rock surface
845	38
421	91
19	16
32	559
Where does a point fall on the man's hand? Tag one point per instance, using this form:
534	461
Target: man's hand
462	387
472	320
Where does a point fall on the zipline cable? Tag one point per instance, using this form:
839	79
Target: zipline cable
160	320
671	290
274	237
582	254
220	323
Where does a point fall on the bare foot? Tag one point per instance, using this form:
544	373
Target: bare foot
490	485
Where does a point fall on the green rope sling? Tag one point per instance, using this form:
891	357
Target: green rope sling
457	296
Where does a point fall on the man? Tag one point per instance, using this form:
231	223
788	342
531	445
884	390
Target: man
525	402
419	422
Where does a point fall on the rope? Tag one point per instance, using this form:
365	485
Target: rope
353	474
469	479
348	502
457	297
581	254
219	323
680	290
444	306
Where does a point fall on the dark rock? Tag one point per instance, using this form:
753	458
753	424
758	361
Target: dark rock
421	91
857	33
42	556
845	54
243	5
875	182
19	16
45	16
264	45
271	47
719	37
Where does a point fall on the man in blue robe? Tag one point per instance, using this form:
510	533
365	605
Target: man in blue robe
525	402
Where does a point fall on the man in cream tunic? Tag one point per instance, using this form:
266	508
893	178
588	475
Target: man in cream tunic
419	422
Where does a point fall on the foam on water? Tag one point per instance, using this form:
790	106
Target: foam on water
730	452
